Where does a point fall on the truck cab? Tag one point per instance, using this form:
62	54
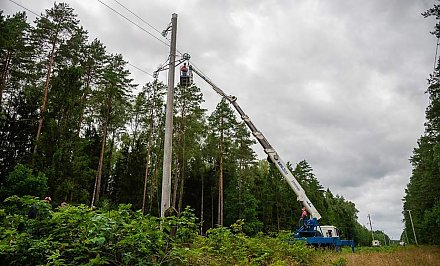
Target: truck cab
375	243
329	231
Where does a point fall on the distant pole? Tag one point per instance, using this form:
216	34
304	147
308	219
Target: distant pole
406	235
168	142
412	225
371	227
384	238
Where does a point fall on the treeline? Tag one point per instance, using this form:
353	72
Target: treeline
422	195
74	126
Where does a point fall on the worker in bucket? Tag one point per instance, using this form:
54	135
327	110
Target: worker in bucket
184	70
304	216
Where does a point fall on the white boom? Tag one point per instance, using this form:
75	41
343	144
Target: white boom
268	149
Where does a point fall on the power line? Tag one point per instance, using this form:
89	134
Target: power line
27	9
132	22
151	26
136	67
141	70
137	25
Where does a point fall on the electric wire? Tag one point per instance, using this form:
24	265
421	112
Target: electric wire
134	14
27	9
141	70
143	20
132	22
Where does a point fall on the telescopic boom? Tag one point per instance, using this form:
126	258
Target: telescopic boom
268	149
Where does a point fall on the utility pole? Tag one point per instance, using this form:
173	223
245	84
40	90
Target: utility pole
412	224
371	227
168	142
384	238
406	235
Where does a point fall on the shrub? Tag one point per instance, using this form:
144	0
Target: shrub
223	246
79	235
22	182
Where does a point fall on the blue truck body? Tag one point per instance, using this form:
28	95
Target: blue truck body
312	233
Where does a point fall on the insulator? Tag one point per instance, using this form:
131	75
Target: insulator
186	56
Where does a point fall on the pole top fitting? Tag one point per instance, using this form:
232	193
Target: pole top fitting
186	56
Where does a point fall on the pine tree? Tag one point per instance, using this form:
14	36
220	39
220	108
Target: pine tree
222	124
92	63
422	195
53	29
111	100
17	109
189	130
14	48
241	202
315	192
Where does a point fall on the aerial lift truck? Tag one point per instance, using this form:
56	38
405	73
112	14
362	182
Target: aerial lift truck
310	231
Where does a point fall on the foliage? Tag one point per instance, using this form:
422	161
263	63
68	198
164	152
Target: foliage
422	195
81	235
222	246
22	182
73	235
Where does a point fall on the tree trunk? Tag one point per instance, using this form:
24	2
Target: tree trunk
106	185
182	183
182	159
153	187
158	196
212	208
278	217
147	160
201	205
220	184
239	181
84	97
5	74
182	173
175	183
45	97
97	187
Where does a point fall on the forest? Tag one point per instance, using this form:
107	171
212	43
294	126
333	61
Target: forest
421	203
74	126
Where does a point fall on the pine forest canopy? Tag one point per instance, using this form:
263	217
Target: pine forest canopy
422	195
74	126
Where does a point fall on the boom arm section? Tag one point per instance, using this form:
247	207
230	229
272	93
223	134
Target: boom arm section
268	149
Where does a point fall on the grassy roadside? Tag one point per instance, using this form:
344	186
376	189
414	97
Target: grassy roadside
410	255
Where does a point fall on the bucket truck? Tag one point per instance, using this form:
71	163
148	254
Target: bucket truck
310	231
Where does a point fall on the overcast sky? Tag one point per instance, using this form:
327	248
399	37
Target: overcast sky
339	84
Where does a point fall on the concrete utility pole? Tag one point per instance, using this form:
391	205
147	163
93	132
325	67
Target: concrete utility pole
371	227
384	238
406	235
168	142
412	225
